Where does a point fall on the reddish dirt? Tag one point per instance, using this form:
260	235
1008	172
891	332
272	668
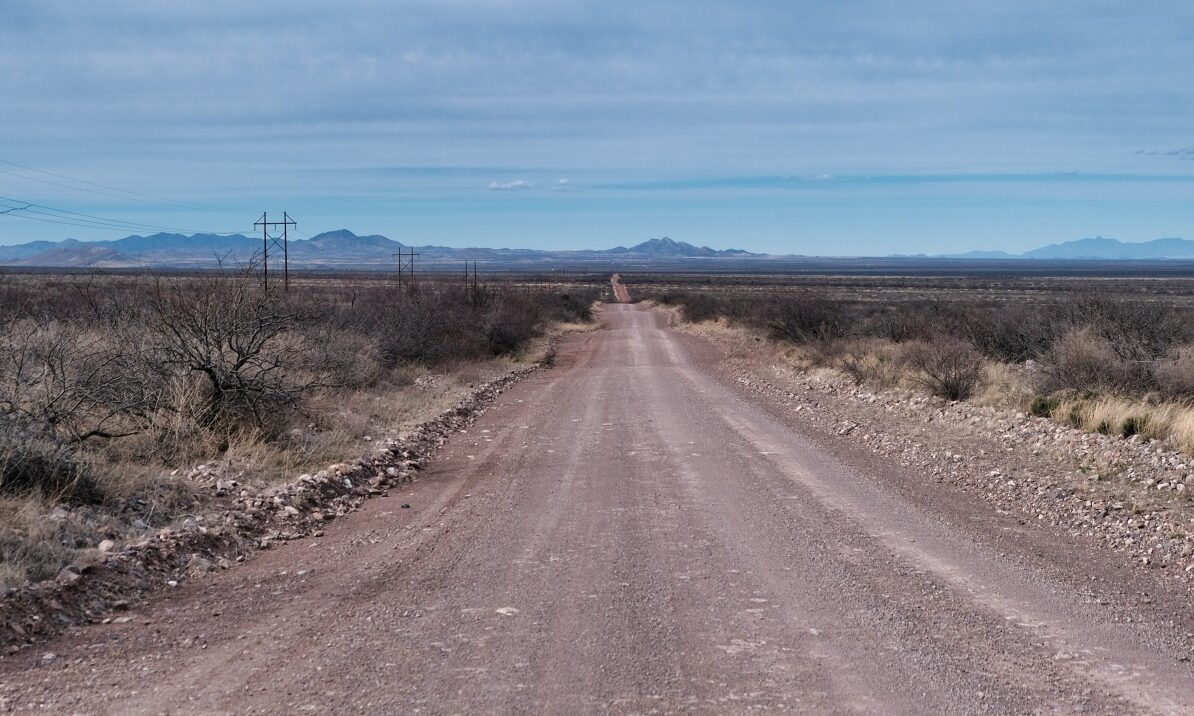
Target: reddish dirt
628	533
621	294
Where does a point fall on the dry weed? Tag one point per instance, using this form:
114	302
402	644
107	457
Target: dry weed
1004	386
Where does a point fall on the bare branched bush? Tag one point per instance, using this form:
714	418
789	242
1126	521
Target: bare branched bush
237	338
341	358
1011	334
1175	374
1134	330
814	321
869	360
696	307
1084	360
948	367
70	382
436	325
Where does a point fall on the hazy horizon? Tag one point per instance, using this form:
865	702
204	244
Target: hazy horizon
866	129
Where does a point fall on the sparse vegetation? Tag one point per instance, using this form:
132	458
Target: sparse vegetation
110	383
948	367
1120	363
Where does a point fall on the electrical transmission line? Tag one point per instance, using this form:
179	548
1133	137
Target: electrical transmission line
40	212
120	193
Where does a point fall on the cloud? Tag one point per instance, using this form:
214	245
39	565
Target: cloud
516	185
1186	153
561	185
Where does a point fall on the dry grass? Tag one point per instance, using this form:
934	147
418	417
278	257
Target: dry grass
36	542
1006	387
874	362
1124	416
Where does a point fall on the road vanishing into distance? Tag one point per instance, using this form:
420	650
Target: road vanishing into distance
628	533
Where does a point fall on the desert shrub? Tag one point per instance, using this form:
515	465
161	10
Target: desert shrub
695	307
1044	405
420	331
1084	360
854	359
1005	386
340	358
702	307
510	324
574	307
809	320
436	325
31	464
948	367
1133	330
105	381
237	338
927	320
868	360
71	382
1009	333
23	559
1175	374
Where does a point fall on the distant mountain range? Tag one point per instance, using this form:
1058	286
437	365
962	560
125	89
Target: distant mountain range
1097	248
344	249
332	249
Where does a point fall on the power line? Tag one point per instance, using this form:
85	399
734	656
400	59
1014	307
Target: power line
54	215
91	216
92	225
26	211
64	223
123	193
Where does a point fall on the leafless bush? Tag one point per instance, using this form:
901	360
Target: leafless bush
1133	330
234	335
443	324
1084	360
1011	334
108	381
341	358
695	307
913	320
70	382
1175	374
948	367
812	320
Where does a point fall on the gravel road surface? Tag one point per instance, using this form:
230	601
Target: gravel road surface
627	533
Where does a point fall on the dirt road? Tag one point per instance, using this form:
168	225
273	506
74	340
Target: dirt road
621	294
625	533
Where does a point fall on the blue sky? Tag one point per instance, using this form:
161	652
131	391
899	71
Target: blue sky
813	127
